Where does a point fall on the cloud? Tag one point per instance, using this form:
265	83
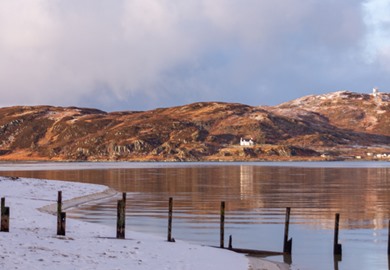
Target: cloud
142	54
377	18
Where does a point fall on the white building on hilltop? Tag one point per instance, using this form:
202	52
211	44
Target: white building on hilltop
249	142
375	91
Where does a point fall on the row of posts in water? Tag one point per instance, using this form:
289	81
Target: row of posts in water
121	224
287	243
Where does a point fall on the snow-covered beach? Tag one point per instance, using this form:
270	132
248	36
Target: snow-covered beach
32	242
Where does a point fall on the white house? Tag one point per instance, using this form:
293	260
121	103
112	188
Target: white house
375	91
244	142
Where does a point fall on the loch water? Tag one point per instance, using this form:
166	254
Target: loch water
256	195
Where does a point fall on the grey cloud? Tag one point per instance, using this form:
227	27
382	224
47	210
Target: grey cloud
142	54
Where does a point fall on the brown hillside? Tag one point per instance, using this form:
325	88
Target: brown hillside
336	125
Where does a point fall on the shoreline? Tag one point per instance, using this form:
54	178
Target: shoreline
32	239
265	264
75	202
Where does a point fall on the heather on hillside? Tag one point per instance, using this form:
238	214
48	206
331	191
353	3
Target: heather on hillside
340	125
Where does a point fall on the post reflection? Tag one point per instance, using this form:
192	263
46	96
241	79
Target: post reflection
360	195
256	198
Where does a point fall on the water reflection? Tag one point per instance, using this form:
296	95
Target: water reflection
256	197
361	196
246	181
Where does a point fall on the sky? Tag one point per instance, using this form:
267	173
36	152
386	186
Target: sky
145	54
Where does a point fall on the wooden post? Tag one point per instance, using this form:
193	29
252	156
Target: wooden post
388	244
336	260
388	261
287	244
230	242
5	213
124	198
60	227
3	217
287	258
170	213
59	202
121	220
2	205
222	227
337	249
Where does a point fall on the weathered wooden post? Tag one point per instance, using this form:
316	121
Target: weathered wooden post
388	244
121	220
170	213
230	242
62	227
287	244
287	258
61	216
388	262
2	204
337	249
59	202
124	198
336	260
5	213
222	227
5	220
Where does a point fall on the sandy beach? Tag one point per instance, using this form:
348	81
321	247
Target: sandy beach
32	242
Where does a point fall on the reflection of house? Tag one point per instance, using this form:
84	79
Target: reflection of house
246	181
244	142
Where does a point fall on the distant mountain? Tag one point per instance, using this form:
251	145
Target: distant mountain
338	125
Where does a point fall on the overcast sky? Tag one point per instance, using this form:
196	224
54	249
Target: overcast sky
144	54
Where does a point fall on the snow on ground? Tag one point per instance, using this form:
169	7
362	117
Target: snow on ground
32	242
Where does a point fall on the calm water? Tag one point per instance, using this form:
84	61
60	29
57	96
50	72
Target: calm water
256	195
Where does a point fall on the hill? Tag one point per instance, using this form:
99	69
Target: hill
338	125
